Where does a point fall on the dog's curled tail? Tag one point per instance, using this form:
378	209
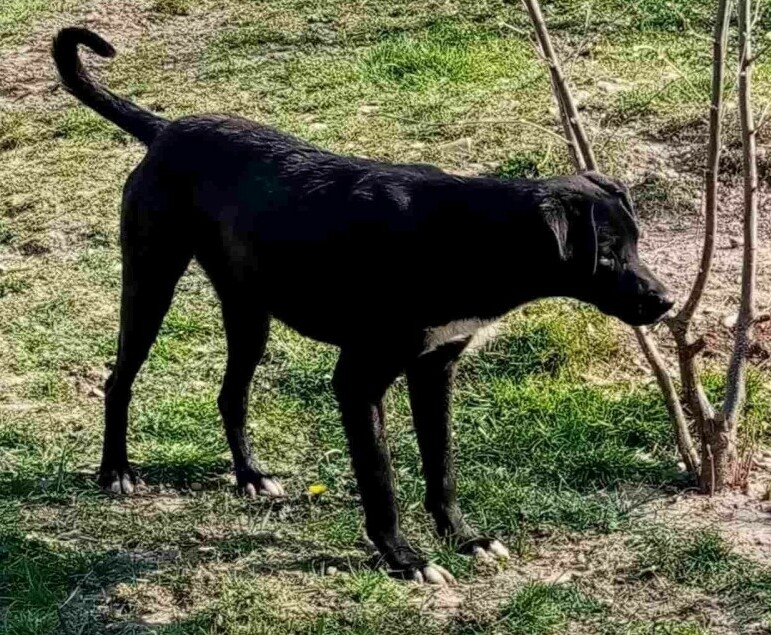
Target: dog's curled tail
137	121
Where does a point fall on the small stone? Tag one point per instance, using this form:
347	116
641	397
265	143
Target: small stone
332	571
96	392
681	466
317	127
461	146
565	578
368	109
610	87
729	321
196	486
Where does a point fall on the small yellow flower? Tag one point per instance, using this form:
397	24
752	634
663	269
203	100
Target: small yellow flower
316	489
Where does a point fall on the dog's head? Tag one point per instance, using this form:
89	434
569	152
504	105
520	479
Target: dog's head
593	221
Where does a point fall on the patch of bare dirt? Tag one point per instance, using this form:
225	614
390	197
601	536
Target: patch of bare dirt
604	568
666	179
742	518
27	75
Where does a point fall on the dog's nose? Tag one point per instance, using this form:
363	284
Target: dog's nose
663	302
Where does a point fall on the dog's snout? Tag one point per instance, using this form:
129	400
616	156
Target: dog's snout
663	301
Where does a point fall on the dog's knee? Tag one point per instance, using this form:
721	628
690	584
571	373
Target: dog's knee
116	392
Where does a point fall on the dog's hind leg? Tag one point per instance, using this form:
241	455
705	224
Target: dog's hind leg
430	378
153	261
246	329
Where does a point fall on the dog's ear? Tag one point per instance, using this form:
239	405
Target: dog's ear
575	231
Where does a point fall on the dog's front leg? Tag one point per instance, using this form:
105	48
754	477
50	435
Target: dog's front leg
360	382
430	378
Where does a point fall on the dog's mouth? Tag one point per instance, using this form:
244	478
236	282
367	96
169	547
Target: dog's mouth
646	313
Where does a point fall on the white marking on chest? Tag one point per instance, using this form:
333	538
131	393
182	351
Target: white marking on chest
480	332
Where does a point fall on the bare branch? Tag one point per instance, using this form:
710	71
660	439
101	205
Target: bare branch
683	437
763	119
735	380
713	161
559	83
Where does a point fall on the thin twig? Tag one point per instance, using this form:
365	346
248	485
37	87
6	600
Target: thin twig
648	345
713	162
662	56
763	119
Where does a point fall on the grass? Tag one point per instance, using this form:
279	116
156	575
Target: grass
704	559
544	609
171	7
552	442
17	16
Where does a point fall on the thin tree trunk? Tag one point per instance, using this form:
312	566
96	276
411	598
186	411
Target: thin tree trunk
712	169
693	392
679	421
721	437
570	113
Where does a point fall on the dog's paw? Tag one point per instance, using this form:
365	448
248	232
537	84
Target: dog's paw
120	480
407	564
252	483
431	574
486	550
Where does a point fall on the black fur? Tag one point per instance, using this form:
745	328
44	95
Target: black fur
398	265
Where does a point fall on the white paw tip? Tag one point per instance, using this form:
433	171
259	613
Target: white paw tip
250	491
434	574
480	554
498	550
271	488
126	485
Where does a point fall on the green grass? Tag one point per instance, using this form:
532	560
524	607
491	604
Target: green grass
17	16
544	609
171	7
703	559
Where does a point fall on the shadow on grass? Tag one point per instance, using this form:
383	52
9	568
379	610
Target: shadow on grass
49	587
63	485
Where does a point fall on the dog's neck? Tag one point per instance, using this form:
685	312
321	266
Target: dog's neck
493	247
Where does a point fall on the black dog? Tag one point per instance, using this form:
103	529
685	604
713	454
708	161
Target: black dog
398	265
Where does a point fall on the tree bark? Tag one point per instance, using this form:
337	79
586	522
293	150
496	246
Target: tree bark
720	441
